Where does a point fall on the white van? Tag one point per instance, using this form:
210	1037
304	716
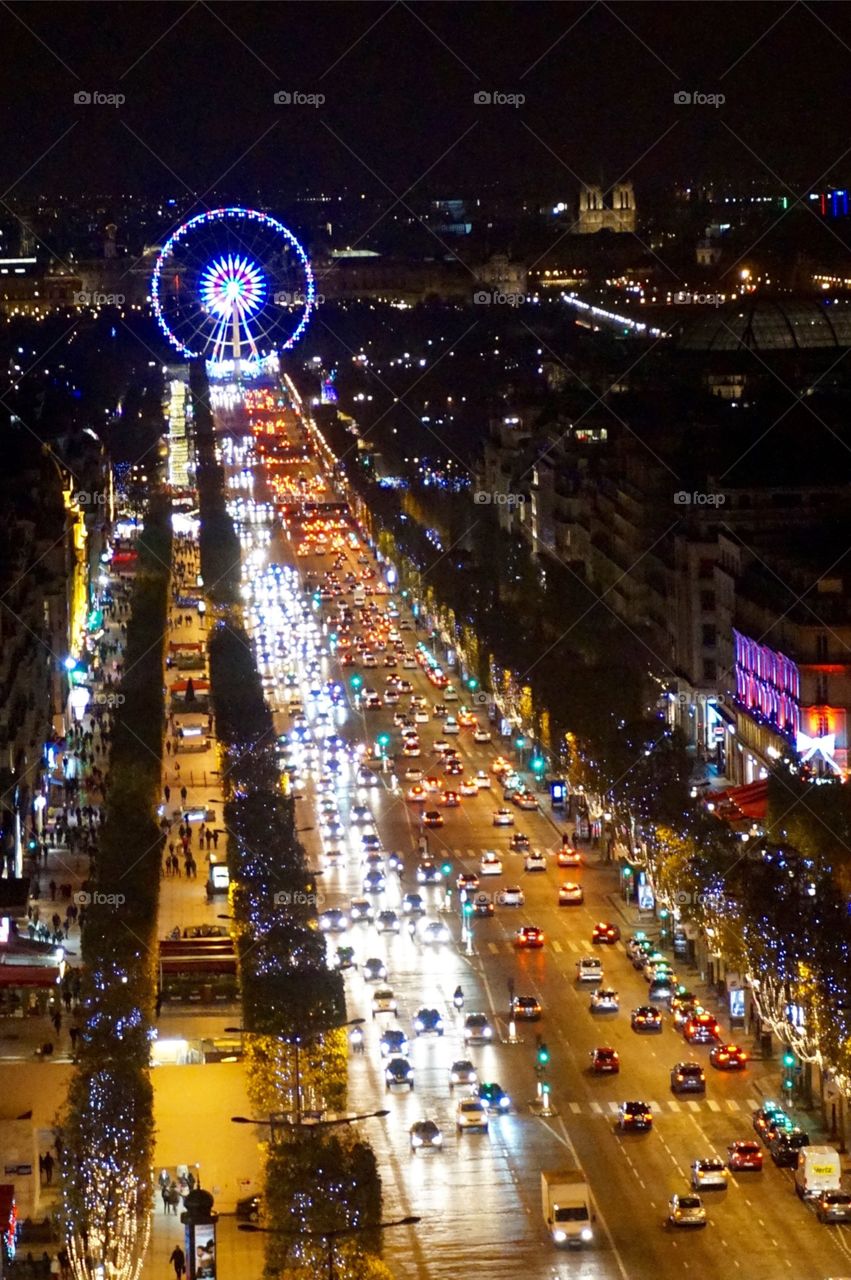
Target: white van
819	1169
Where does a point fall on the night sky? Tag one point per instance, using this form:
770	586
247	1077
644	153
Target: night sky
399	81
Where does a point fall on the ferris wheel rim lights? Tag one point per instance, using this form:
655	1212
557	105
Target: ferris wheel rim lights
231	281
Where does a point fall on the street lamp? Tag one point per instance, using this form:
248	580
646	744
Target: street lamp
297	1042
330	1237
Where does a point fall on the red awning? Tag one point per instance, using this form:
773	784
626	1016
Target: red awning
28	975
750	801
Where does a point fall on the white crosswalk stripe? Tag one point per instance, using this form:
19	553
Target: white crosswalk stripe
575	1108
675	1106
692	1105
557	948
598	1110
732	1105
671	1106
713	1105
613	1108
493	948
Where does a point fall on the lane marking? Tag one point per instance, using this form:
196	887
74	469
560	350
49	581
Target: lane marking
713	1105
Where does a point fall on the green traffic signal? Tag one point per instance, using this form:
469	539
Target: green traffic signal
543	1055
383	740
788	1059
468	908
446	868
537	765
520	743
472	683
356	682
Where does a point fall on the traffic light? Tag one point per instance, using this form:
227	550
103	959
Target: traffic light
789	1069
446	869
537	764
468	908
520	743
543	1054
356	682
472	683
627	873
383	742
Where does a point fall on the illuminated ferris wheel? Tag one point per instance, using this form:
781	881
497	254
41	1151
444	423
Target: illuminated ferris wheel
232	284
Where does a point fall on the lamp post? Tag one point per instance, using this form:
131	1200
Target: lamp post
330	1237
297	1042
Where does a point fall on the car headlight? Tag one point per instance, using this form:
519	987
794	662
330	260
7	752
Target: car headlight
409	1075
504	1102
416	1142
455	1077
586	1234
559	1236
439	1024
418	1026
488	1033
438	1139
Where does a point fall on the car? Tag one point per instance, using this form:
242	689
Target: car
249	1208
333	921
728	1057
482	906
589	969
374	970
494	1096
440	746
511	896
638	945
471	1113
468	787
569	857
503	818
393	1043
683	1004
604	1000
636	1117
645	1018
428	1022
570	894
477	1029
702	1028
744	1156
435	932
360	813
411	748
425	1135
686	1211
466	881
453	768
491	864
440	711
525	800
654	964
462	1071
785	1145
374	882
433	818
417	794
526	1009
605	933
481	735
388	922
529	937
833	1206
450	800
662	990
413	905
383	1001
534	860
421	716
769	1118
519	842
429	872
451	726
432	784
605	1061
360	911
483	780
398	1072
688	1077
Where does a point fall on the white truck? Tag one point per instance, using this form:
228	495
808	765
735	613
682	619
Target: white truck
819	1169
568	1206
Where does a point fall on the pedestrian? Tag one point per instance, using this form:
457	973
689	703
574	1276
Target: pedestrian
55	1266
64	1263
183	794
164	1194
56	1019
216	838
73	1032
167	793
178	1261
52	888
48	1168
168	746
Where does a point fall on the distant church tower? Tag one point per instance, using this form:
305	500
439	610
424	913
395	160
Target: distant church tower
110	248
595	216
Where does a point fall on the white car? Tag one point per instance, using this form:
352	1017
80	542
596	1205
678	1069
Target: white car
483	780
434	932
451	726
709	1172
383	1001
481	735
604	1000
490	864
686	1211
421	717
589	969
512	896
534	861
471	1113
477	1029
503	818
414	775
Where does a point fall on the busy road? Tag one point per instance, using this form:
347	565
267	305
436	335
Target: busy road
400	793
